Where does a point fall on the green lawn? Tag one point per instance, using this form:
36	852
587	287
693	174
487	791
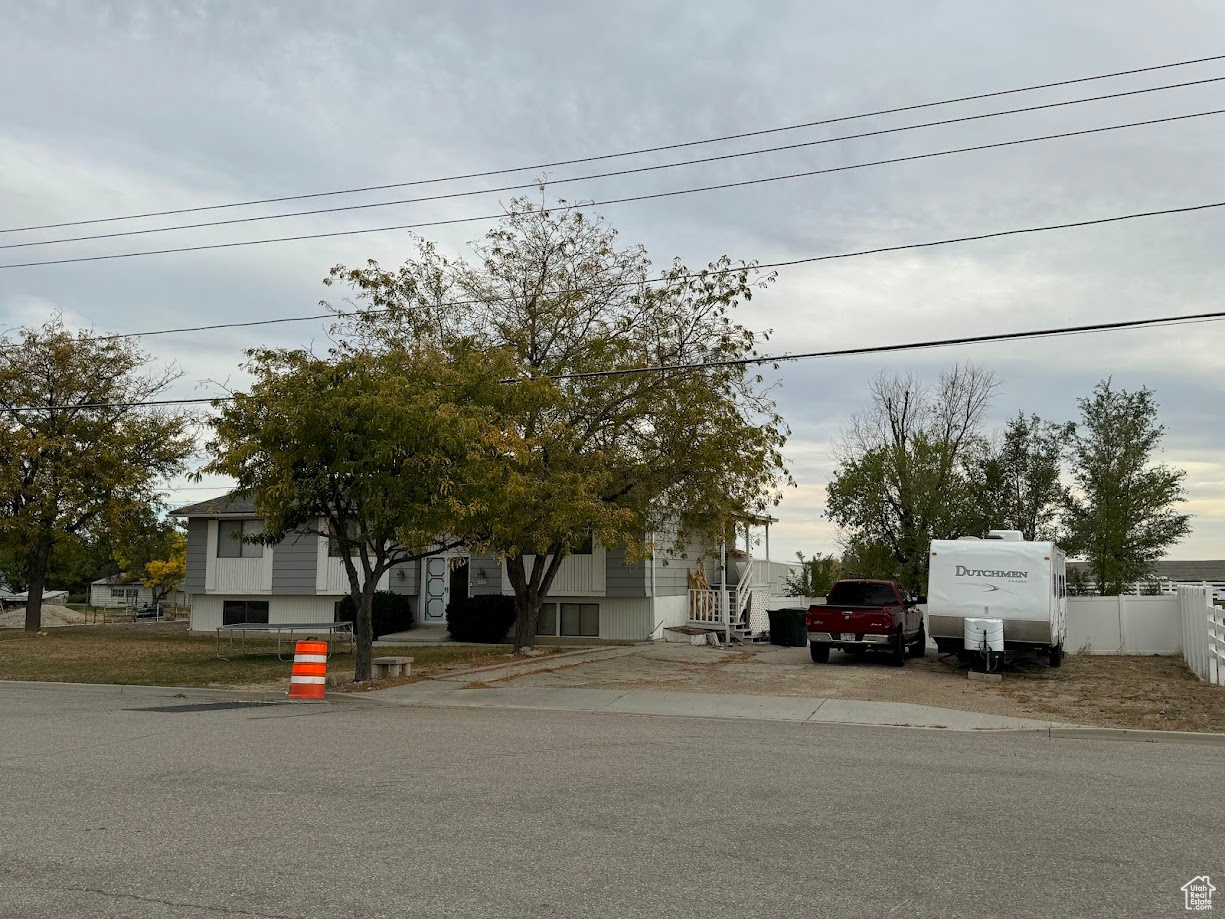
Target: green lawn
164	654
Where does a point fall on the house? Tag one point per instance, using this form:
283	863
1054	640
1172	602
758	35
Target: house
1169	573
116	593
597	592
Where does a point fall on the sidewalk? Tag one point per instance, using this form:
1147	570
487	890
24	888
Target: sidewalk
444	694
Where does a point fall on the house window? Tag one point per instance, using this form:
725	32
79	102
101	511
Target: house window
580	619
230	536
547	623
234	612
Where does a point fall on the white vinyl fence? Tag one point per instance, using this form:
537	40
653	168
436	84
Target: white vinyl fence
1123	625
1203	633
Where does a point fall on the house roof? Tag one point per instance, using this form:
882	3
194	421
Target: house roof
116	581
1177	570
232	504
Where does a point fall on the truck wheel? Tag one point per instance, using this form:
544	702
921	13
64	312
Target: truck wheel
1056	655
919	648
898	656
819	652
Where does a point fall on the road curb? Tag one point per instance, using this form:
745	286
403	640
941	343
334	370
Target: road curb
1137	735
139	689
1132	735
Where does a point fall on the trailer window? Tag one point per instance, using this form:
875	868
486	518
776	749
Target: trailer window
854	593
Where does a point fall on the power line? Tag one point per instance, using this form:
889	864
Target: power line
626	153
723	186
603	175
807	260
1057	331
908	346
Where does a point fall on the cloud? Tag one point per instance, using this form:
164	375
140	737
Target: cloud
142	106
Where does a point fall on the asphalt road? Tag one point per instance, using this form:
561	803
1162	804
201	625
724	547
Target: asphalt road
111	809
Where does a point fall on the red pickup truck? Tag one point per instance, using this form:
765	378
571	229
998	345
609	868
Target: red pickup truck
862	615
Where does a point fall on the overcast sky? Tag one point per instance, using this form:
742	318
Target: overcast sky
115	108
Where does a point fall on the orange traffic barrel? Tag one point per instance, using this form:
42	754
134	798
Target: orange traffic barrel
310	667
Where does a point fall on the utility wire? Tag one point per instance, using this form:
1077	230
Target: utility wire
908	346
601	175
635	152
807	260
1057	331
723	186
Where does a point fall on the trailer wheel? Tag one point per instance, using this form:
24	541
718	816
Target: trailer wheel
919	648
898	656
819	651
1056	657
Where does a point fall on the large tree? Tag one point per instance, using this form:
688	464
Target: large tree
1017	481
78	452
1122	515
594	448
385	454
902	476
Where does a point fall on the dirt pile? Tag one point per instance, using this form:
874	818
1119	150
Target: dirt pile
52	616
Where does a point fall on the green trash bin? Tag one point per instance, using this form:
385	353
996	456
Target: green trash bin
789	627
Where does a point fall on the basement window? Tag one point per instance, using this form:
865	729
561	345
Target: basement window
580	619
234	612
546	624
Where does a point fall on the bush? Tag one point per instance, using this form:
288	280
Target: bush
390	612
485	618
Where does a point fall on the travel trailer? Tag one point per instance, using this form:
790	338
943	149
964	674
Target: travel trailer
1000	577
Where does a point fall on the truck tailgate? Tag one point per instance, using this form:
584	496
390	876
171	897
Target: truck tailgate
849	619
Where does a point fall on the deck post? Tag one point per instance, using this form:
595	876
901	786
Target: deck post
769	576
724	606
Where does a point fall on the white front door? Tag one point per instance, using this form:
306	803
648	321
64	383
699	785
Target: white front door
434	592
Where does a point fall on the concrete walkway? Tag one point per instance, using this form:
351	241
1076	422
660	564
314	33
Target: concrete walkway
533	665
440	693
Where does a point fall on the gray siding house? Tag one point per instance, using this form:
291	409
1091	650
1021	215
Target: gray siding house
596	594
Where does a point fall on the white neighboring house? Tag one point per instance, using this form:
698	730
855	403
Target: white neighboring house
116	593
597	593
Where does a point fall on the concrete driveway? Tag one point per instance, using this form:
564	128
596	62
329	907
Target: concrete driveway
144	806
778	671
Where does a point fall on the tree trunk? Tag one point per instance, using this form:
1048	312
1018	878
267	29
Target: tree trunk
527	615
34	599
527	602
364	630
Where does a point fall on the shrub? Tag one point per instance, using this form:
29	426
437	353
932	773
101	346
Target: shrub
485	618
390	612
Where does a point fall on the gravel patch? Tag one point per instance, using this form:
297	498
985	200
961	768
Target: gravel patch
52	617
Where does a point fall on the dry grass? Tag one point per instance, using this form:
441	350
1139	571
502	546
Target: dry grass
1125	691
153	654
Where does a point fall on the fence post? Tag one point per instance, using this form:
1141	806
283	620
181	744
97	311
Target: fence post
1122	627
1205	632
